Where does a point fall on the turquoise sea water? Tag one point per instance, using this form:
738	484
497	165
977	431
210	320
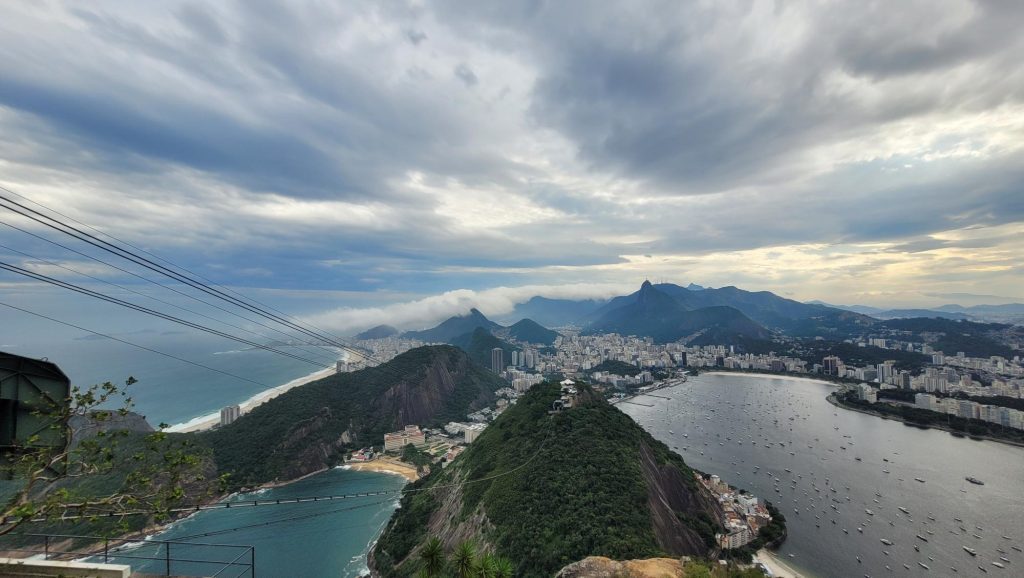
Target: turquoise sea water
168	390
308	539
296	540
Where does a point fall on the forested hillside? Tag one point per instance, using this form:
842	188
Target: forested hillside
309	427
546	489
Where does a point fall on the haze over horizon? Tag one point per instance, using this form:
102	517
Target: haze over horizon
408	161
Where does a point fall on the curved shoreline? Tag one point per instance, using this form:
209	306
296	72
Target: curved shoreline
207	421
778	567
832	399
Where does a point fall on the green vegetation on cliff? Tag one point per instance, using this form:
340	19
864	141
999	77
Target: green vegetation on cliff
546	489
310	427
616	368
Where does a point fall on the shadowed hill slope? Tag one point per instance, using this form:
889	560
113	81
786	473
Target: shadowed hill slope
308	428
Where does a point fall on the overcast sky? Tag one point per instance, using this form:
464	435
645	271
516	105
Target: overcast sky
364	153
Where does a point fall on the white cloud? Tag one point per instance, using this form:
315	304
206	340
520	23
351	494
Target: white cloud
429	311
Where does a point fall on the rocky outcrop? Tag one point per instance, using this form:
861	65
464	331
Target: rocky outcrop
311	457
600	567
418	402
84	426
669	494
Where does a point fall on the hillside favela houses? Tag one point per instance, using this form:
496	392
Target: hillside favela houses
743	514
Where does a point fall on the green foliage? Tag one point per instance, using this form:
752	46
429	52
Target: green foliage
949	336
103	469
407	530
617	368
464	563
268	442
433	558
703	525
555	487
413	455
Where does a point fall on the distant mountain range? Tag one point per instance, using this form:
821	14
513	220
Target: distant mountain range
378	332
666	312
1007	313
651	312
908	313
477	335
453	327
530	331
557	312
760	314
693	314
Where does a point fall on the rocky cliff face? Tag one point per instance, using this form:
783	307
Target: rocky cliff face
601	567
417	402
669	494
90	425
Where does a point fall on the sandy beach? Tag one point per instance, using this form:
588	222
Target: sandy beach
387	466
779	568
208	421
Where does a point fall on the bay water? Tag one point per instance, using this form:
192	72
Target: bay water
840	477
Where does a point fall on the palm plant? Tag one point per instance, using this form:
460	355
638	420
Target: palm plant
432	556
486	567
464	560
503	568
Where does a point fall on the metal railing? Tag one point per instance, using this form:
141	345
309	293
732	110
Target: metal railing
146	557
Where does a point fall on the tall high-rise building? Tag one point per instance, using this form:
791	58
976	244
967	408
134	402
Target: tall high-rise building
497	360
830	365
229	414
530	359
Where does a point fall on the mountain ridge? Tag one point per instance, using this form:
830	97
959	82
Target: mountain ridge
308	428
377	332
453	327
651	312
529	331
642	499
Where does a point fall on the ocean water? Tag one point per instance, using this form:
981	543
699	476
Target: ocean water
309	539
170	391
783	441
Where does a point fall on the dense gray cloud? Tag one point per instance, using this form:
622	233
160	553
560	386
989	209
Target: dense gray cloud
425	148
